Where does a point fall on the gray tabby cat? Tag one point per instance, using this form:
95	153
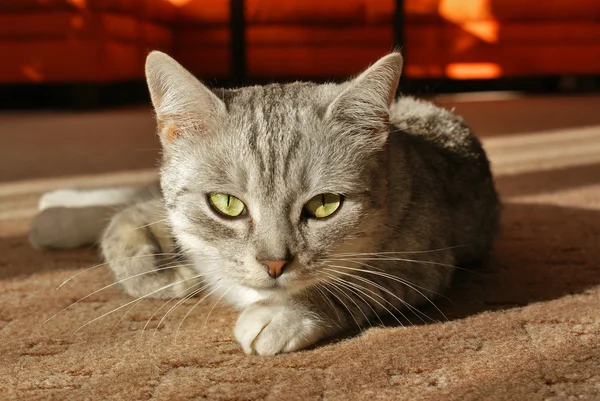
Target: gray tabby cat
312	208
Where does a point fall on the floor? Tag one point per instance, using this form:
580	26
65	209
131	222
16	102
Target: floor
525	327
36	145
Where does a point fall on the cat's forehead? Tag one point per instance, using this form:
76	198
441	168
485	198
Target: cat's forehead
273	144
273	100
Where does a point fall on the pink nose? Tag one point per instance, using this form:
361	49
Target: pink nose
274	267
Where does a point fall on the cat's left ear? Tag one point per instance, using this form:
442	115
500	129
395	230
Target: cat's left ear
183	105
363	106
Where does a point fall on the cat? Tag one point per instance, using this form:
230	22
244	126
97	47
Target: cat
313	208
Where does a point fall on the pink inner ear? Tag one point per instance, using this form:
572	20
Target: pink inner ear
169	130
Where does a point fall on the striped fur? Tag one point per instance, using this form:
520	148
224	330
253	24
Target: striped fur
418	199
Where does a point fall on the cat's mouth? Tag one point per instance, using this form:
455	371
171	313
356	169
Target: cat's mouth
268	284
284	283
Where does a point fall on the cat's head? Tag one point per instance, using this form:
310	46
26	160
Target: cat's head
271	180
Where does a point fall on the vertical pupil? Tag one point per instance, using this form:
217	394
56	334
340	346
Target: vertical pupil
228	200
322	199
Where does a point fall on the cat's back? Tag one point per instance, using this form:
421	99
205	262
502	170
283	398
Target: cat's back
450	170
439	128
442	141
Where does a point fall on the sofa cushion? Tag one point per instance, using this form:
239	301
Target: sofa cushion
518	49
156	37
53	5
320	11
295	35
202	36
528	59
548	32
162	10
202	12
217	12
268	35
311	61
68	25
159	10
70	61
205	61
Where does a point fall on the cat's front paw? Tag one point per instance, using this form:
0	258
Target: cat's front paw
273	329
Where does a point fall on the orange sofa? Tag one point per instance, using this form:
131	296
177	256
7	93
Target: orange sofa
458	39
100	41
464	39
202	37
316	38
80	40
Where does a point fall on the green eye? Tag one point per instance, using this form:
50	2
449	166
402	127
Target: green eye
227	205
323	205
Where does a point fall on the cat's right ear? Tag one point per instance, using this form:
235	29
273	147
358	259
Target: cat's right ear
183	105
361	110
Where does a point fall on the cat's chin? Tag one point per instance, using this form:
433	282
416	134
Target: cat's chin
276	286
272	285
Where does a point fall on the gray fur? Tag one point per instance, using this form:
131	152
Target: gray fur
418	199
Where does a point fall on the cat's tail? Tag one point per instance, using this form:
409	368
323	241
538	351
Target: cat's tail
71	218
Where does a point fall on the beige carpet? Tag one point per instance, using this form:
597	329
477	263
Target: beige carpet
526	327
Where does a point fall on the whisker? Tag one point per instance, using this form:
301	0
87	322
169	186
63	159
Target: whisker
106	287
383	256
329	290
358	307
427	262
401	252
177	296
326	298
370	297
114	260
186	315
215	304
391	277
150	224
135	300
410	307
401	281
177	304
140	300
372	283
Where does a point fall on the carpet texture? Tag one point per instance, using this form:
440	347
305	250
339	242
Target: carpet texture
525	327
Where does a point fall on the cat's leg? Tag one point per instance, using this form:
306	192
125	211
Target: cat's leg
140	251
68	227
293	323
71	218
274	328
88	197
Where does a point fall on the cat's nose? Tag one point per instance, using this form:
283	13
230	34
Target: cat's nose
274	267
